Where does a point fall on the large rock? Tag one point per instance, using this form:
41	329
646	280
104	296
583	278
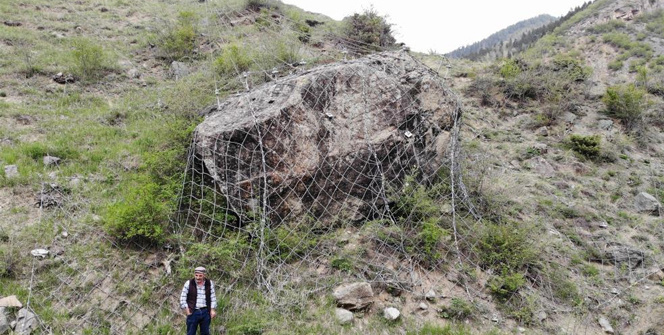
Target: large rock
622	254
343	316
646	203
327	143
10	301
354	296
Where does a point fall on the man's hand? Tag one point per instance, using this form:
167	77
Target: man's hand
213	313
187	312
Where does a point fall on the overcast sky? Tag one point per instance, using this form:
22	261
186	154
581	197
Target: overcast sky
443	25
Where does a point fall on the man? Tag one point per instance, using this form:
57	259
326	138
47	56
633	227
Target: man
199	302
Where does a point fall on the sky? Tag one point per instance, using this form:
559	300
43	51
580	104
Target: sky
445	25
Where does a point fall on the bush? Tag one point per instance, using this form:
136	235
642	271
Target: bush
587	146
625	103
368	32
89	59
234	60
572	67
616	65
506	285
510	69
180	41
142	215
507	247
458	309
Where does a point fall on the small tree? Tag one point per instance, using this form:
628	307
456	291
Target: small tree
625	103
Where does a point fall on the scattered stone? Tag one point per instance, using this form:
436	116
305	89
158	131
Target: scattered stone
179	70
51	160
343	316
541	147
656	275
11	171
65	234
61	78
103	9
133	73
51	195
621	254
541	166
354	296
605	124
431	295
25	323
57	35
646	203
10	301
606	325
603	225
542	131
495	318
521	330
423	306
615	291
4	322
13	24
39	253
569	117
541	316
391	313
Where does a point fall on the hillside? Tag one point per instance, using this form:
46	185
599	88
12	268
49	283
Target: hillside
520	196
506	35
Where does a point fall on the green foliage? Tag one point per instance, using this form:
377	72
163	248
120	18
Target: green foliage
509	69
607	27
89	59
506	247
288	243
619	40
369	31
10	260
223	259
430	329
573	67
342	264
249	323
625	103
179	42
587	146
143	213
615	65
506	284
458	309
233	60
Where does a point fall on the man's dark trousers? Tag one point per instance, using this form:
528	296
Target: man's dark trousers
199	316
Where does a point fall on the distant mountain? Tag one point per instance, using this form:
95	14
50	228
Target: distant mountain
511	33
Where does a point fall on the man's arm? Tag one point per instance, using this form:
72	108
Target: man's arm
183	298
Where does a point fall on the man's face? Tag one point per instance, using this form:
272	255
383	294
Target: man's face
199	277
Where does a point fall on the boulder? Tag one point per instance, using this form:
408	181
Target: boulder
621	254
646	203
51	160
541	166
606	325
25	323
343	316
327	143
430	295
354	296
179	70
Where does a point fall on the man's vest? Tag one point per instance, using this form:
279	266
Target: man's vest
191	295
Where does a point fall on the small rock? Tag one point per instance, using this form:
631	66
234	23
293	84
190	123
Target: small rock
64	234
541	147
569	117
61	78
10	301
603	225
133	73
656	275
606	325
4	322
542	131
13	24
39	253
354	296
11	171
103	9
423	306
391	313
25	323
51	160
541	316
343	316
521	330
605	124
57	35
495	318
615	291
179	70
431	295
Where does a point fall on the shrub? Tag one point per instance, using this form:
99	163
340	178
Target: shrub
143	213
458	309
625	103
234	59
369	31
587	146
180	40
509	69
506	285
607	27
89	59
616	65
506	247
572	67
